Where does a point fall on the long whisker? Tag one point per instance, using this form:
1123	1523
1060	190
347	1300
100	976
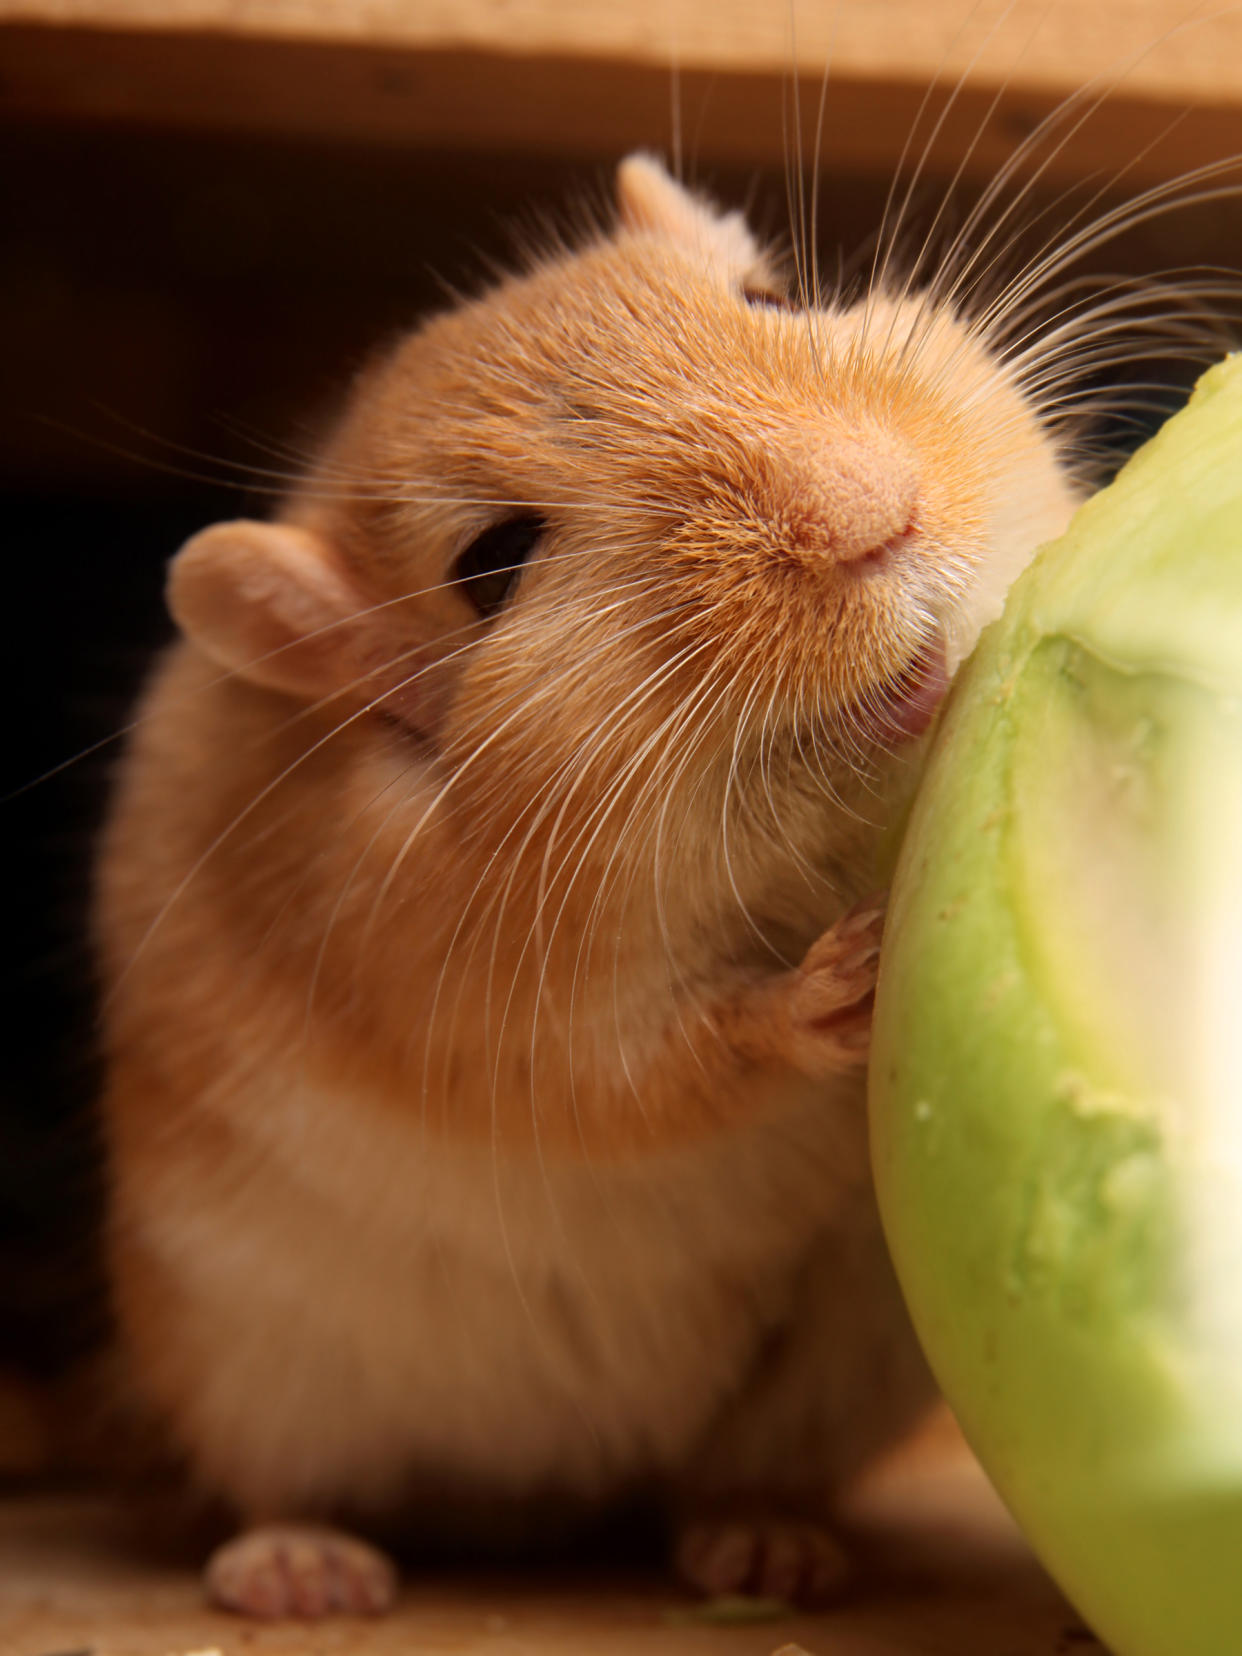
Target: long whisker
887	239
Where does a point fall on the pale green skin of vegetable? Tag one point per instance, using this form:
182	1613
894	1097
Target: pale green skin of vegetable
1056	1076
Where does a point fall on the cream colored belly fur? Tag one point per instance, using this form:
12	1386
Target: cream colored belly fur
374	1316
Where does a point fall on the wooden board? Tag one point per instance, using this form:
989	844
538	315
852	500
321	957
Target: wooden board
1164	47
739	79
946	1575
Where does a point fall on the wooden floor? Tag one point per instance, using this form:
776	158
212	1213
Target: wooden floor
946	1574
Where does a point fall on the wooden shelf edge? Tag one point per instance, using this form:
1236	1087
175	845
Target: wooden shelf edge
566	105
1169	49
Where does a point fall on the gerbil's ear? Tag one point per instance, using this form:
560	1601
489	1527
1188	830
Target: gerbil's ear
651	202
272	604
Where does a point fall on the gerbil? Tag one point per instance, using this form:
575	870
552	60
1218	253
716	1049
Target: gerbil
480	1150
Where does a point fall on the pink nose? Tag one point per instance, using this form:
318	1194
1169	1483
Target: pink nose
867	491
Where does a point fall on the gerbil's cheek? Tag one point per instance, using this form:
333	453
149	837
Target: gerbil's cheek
272	604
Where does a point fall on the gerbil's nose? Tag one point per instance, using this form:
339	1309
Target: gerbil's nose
868	489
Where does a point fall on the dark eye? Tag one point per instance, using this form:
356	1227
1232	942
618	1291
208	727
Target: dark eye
489	566
770	298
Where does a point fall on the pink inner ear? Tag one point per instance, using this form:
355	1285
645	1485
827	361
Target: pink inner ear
271	603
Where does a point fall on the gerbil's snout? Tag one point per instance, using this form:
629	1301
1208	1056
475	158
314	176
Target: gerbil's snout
862	498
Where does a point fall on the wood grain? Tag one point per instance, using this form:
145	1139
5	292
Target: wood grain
561	77
1162	47
946	1575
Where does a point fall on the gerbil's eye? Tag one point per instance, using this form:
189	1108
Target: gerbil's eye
770	298
489	566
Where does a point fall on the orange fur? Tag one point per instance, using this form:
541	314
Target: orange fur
444	1019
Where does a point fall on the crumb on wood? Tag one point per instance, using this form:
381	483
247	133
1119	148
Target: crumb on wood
728	1610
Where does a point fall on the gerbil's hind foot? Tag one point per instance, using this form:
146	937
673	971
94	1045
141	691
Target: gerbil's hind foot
779	1558
305	1570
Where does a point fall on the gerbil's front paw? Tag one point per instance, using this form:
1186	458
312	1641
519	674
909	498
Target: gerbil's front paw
779	1558
300	1570
831	995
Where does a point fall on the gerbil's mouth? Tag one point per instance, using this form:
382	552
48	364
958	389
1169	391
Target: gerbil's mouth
905	705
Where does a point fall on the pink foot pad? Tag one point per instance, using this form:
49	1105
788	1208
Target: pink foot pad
303	1570
764	1557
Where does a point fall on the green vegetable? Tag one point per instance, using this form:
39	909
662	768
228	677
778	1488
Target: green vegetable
1057	1059
728	1610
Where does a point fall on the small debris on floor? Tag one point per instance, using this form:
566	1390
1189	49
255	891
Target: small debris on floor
87	1650
729	1610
